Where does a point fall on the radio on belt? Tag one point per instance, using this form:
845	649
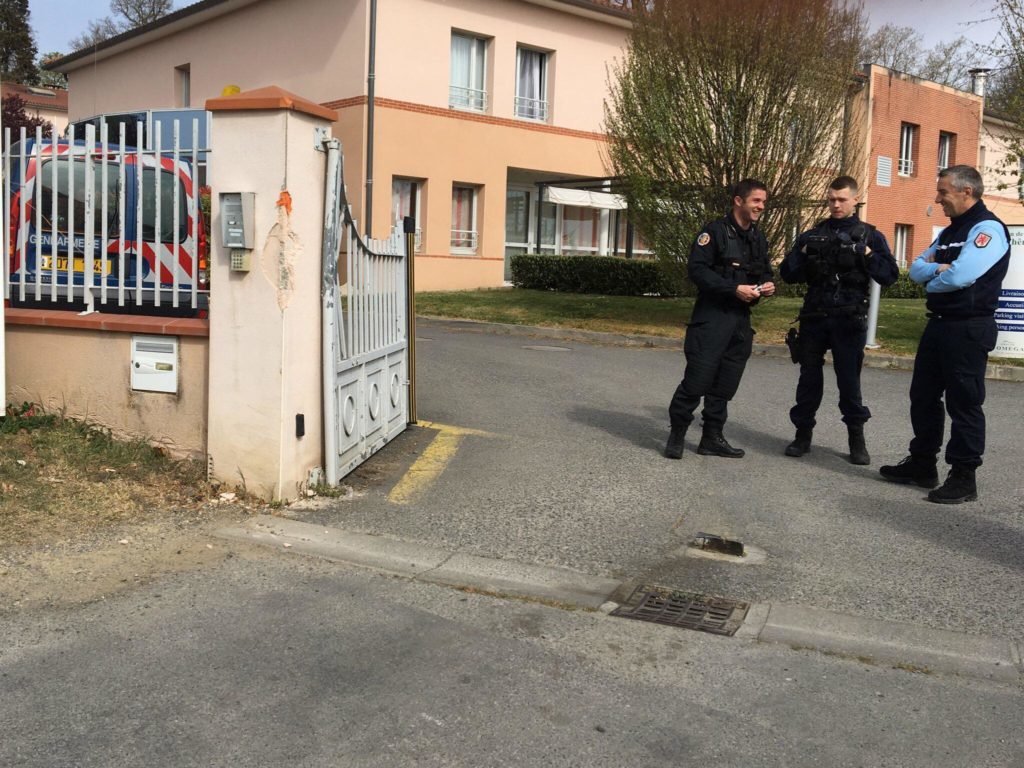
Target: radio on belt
237	211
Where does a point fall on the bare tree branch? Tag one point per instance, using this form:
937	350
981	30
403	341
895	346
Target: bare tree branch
714	91
127	14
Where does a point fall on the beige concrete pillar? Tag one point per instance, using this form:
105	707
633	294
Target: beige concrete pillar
265	323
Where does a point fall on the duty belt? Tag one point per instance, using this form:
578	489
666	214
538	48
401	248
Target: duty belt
847	310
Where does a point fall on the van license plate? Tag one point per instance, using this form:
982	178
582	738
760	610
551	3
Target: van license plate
79	265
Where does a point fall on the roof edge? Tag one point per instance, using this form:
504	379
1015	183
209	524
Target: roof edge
589	9
270	97
165	25
600	10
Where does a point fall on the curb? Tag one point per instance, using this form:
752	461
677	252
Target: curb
425	563
993	371
904	646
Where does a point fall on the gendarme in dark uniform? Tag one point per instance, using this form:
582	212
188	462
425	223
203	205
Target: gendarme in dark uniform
962	271
837	259
730	267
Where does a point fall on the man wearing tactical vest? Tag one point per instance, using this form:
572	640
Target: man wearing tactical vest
837	259
730	267
962	271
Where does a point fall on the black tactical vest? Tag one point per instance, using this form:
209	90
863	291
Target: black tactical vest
743	256
839	277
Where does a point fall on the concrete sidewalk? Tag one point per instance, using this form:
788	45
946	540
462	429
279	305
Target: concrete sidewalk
901	645
871	360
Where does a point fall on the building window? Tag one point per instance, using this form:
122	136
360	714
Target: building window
183	85
467	88
406	200
531	84
908	134
901	244
581	230
464	205
946	149
619	231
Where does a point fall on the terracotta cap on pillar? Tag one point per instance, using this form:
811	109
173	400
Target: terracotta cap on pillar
270	97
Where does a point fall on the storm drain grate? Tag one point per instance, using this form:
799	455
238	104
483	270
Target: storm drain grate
681	609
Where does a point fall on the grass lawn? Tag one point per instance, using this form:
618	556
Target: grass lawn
59	479
900	321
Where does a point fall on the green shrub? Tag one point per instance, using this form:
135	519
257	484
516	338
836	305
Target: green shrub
607	275
903	288
789	290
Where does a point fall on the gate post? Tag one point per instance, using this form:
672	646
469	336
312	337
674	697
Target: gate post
265	420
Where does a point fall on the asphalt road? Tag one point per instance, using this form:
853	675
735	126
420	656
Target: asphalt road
277	660
572	475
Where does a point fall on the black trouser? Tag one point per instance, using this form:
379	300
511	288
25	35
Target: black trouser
717	346
951	360
845	336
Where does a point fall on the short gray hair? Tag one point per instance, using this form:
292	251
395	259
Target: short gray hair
964	176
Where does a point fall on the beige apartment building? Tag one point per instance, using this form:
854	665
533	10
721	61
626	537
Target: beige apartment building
1002	171
475	102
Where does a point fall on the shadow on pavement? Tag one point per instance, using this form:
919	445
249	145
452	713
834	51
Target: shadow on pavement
960	528
642	431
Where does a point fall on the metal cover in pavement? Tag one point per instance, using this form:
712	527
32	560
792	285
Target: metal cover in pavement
682	609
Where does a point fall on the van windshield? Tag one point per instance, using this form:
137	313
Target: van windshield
168	180
69	187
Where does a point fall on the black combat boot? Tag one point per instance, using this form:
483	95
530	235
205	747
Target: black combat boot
713	443
801	443
674	446
858	450
919	470
959	487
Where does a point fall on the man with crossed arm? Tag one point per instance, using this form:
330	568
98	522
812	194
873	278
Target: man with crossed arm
962	271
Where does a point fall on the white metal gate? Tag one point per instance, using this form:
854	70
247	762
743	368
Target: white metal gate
365	333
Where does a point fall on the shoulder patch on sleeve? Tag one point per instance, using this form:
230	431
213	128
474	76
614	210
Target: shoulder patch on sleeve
982	240
703	239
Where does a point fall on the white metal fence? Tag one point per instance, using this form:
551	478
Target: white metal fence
90	223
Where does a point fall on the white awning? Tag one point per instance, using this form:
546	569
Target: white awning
584	198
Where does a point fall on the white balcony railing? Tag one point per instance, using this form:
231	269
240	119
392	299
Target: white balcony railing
531	109
905	167
460	97
464	240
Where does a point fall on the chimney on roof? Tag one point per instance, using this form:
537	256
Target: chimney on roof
978	79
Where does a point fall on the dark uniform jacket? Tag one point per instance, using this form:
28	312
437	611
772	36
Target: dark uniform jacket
839	274
725	255
969	236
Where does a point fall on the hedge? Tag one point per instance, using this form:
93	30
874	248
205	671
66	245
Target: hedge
607	275
613	276
903	288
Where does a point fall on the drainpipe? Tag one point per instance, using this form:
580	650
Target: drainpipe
370	78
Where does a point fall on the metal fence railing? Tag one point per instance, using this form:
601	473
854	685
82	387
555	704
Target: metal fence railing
531	109
462	97
464	239
91	223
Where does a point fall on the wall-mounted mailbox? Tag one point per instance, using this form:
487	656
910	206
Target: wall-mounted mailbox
237	211
155	363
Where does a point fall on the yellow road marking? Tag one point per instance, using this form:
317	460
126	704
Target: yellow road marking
454	430
432	462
